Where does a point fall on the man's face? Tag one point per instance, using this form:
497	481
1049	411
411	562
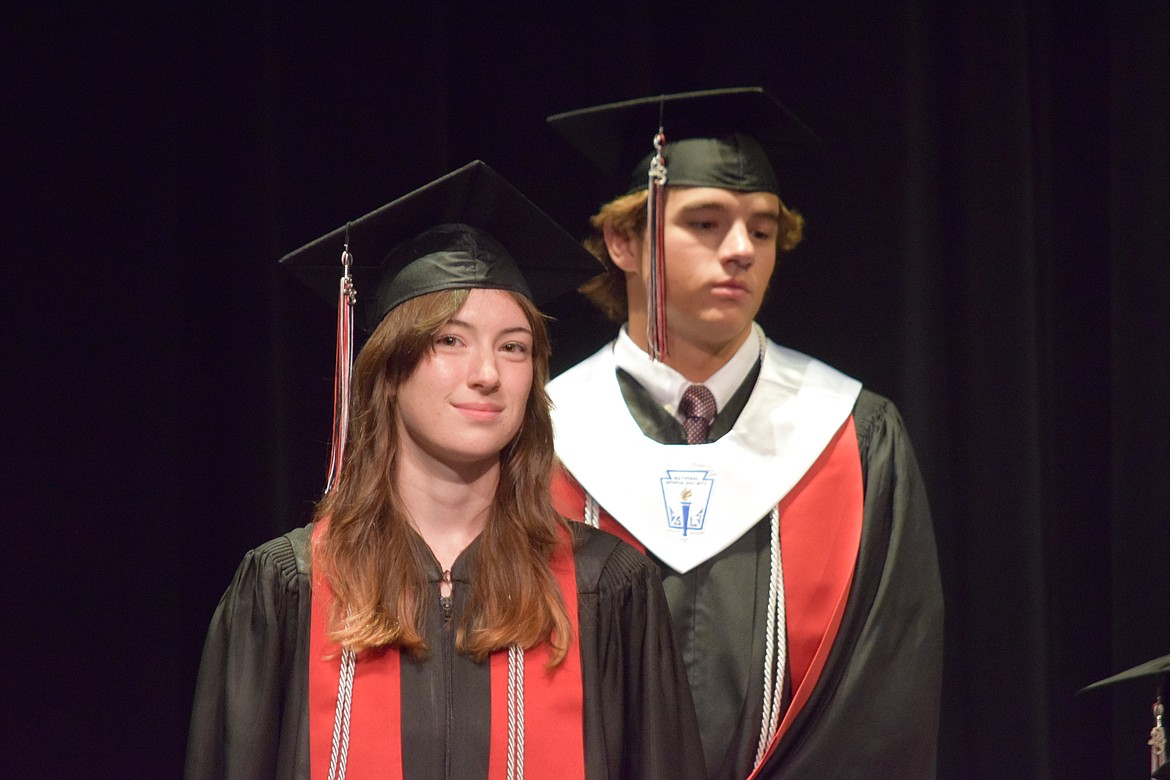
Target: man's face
720	253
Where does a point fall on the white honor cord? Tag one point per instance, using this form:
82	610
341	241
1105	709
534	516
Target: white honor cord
515	713
340	749
775	646
592	512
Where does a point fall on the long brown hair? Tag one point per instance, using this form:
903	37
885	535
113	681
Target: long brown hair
375	562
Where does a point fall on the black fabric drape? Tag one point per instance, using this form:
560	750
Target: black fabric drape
987	246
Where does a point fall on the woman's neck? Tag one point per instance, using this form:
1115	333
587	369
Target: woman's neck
448	507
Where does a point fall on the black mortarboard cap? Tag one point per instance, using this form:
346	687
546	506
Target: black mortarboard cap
468	229
736	139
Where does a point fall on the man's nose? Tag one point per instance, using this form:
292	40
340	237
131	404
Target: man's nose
737	246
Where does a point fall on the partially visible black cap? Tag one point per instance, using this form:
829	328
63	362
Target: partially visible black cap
736	139
468	229
1159	667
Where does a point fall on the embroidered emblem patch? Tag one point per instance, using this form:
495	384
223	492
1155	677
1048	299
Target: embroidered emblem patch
686	495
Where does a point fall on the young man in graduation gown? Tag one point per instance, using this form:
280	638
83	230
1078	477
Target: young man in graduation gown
440	620
793	532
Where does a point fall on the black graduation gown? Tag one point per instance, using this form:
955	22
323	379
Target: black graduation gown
875	708
250	718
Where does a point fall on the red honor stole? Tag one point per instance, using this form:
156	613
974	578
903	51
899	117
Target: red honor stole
820	534
553	699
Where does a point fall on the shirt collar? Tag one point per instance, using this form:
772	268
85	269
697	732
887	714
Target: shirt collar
666	386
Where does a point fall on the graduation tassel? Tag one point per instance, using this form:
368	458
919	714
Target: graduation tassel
1157	743
656	285
342	367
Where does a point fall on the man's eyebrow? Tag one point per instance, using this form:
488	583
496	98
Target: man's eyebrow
766	213
706	204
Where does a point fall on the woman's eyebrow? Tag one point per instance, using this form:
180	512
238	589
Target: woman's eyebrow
464	324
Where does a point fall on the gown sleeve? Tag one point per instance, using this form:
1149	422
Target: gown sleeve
875	710
640	721
250	718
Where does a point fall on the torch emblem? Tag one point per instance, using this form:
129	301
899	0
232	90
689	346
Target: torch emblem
686	495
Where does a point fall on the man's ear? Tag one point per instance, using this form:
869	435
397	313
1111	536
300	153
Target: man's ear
624	250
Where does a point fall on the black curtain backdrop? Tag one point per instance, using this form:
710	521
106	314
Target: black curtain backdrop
987	244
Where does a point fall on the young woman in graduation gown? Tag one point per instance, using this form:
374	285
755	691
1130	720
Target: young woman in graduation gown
439	619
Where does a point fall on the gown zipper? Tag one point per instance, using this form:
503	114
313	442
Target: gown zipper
448	652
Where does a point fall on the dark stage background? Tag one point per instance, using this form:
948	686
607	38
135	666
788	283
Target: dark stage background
987	245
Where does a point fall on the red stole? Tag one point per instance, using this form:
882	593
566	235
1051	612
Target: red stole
553	699
820	534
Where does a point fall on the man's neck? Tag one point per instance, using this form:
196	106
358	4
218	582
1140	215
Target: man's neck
695	360
666	385
698	362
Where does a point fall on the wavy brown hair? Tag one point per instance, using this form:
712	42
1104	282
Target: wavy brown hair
375	562
627	216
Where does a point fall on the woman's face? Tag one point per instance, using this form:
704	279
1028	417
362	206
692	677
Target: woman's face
466	398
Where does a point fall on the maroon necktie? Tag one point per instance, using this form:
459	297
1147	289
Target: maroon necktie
698	409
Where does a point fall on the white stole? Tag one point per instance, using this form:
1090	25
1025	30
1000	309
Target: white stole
687	503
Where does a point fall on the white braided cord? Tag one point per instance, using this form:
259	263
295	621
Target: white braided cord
515	713
592	512
340	750
775	645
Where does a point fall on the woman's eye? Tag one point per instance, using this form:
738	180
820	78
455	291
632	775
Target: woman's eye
446	341
516	348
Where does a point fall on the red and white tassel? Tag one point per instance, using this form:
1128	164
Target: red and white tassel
656	283
342	369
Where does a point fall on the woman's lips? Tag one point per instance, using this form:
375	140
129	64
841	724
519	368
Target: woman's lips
480	410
